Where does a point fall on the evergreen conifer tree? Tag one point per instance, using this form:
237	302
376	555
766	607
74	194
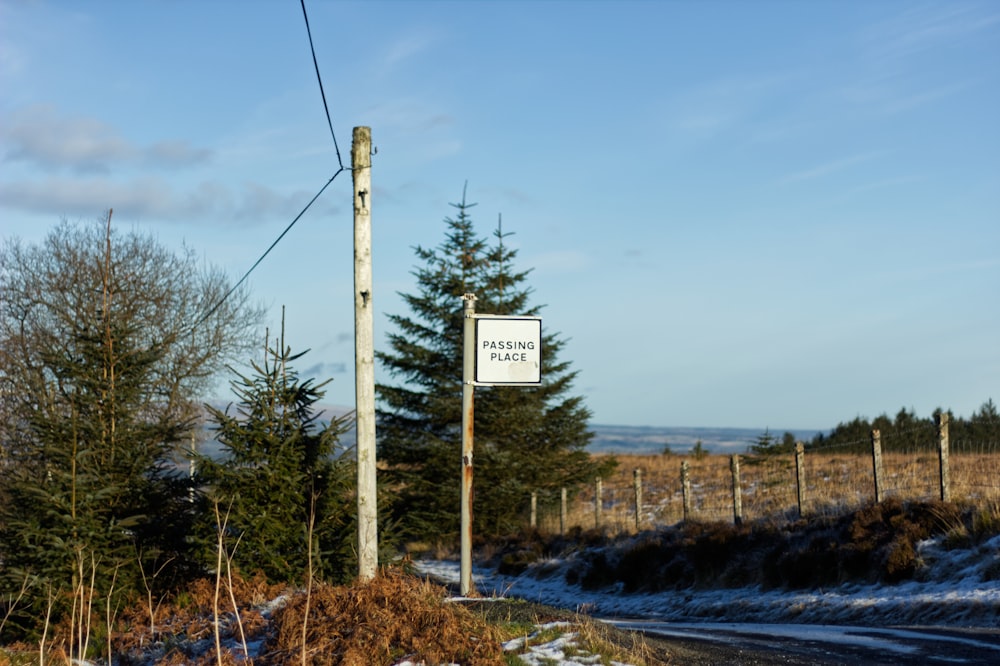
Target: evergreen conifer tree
984	426
282	473
99	366
96	499
526	438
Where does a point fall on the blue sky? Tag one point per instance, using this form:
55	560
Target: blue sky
753	214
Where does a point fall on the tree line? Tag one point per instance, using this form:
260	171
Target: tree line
907	431
904	432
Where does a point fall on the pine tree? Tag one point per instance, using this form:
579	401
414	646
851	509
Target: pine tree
985	425
82	498
282	474
526	438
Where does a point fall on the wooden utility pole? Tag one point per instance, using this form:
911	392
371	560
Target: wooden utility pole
364	355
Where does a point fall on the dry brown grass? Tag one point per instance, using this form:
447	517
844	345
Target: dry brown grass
834	482
382	621
877	542
393	618
187	619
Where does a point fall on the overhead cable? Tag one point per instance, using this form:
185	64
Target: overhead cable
340	163
266	252
322	93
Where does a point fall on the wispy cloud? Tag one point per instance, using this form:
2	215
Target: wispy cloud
888	96
830	167
208	202
921	28
885	183
342	338
411	115
907	102
321	371
405	49
421	124
12	60
900	57
41	136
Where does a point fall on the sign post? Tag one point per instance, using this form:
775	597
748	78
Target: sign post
468	388
497	350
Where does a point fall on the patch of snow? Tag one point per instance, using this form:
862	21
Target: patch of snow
957	587
553	651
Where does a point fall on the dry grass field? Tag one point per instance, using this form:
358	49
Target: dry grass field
833	482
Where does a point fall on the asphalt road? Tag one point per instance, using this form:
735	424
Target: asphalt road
818	645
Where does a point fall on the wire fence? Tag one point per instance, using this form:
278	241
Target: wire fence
920	464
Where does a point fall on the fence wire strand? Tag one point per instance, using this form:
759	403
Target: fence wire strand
835	478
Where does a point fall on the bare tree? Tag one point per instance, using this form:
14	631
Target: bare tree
83	279
108	343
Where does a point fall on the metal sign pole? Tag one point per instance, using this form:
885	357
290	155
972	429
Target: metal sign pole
468	393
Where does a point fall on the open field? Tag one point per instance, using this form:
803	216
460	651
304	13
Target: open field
833	482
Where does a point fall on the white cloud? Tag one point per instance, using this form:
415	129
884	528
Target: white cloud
41	136
208	202
175	153
404	49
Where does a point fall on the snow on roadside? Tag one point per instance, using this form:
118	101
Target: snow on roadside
552	651
959	587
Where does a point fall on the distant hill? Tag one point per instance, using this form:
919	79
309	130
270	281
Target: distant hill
639	440
643	440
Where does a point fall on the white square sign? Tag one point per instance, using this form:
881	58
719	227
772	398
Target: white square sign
508	350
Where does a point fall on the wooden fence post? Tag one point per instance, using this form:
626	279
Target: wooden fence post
637	487
534	509
598	501
942	425
562	512
734	467
877	465
800	477
686	490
